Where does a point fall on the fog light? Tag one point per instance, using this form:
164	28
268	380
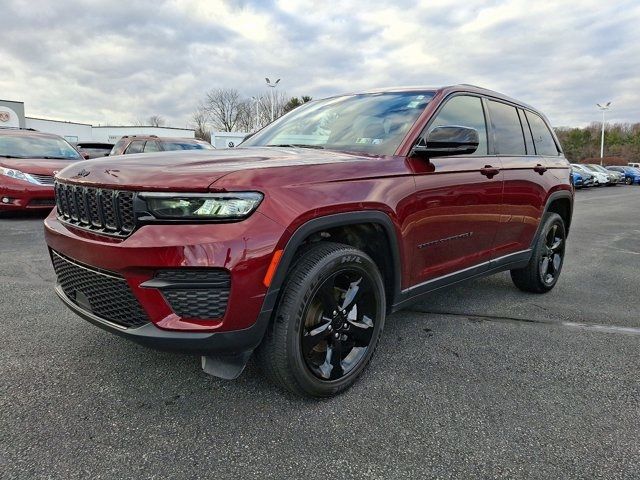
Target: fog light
6	200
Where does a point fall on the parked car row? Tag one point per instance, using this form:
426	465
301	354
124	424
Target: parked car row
29	160
593	175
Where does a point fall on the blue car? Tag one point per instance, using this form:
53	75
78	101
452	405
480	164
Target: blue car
577	179
631	174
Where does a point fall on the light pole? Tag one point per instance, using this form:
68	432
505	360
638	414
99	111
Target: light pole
272	85
257	100
603	108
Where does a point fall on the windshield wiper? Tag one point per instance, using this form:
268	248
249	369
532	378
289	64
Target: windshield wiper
11	156
296	145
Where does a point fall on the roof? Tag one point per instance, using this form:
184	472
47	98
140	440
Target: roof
144	126
26	132
462	87
156	137
57	121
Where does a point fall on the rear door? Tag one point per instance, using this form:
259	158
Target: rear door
458	199
527	178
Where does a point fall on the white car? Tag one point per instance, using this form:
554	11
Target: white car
599	178
614	177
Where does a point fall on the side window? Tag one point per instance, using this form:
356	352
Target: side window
464	111
151	146
528	139
135	146
545	145
507	129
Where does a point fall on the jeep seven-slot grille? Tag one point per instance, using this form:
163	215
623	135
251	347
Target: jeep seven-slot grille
97	209
105	294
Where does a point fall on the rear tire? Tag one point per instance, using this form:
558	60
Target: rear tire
543	270
327	323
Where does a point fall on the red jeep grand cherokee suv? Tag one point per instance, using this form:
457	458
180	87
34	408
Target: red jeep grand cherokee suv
297	244
28	162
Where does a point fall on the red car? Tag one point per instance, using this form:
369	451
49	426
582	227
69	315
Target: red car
298	244
28	162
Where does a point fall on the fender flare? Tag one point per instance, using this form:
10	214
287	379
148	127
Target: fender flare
561	194
322	223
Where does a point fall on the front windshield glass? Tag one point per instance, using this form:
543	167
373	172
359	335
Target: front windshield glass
598	168
24	146
372	123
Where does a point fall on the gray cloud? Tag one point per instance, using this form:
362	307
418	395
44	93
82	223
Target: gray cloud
96	62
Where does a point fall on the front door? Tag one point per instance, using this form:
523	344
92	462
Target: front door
458	200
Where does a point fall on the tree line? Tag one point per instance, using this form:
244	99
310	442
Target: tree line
621	142
226	110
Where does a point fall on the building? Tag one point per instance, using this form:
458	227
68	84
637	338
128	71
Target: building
226	139
12	114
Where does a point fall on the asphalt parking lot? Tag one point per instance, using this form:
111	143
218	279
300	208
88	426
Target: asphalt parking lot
478	381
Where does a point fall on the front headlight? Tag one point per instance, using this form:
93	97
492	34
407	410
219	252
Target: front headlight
202	206
18	175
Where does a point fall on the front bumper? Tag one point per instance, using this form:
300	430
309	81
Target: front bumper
244	249
197	343
25	196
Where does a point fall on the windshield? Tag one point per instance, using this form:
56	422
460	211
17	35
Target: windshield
23	146
598	168
371	123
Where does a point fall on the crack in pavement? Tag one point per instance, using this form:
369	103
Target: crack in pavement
592	327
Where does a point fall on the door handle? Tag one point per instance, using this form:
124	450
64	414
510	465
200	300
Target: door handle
540	169
489	171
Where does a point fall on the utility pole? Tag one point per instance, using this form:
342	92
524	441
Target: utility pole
272	85
256	99
602	108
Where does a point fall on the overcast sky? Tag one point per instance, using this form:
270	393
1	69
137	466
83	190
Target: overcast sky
101	62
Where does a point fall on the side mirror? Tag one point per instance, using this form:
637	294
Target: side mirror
85	155
447	140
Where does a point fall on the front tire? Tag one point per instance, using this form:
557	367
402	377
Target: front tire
327	323
543	270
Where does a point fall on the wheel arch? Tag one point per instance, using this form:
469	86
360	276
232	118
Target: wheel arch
560	202
392	272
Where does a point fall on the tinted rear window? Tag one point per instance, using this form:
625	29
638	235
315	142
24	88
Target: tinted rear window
186	146
507	129
542	138
136	146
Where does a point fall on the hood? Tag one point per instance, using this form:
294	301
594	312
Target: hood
37	166
193	170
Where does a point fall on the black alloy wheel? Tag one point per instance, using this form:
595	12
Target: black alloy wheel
327	323
543	270
339	324
552	255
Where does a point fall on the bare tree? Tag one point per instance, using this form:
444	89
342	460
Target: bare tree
200	123
247	116
152	121
272	98
223	106
156	121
